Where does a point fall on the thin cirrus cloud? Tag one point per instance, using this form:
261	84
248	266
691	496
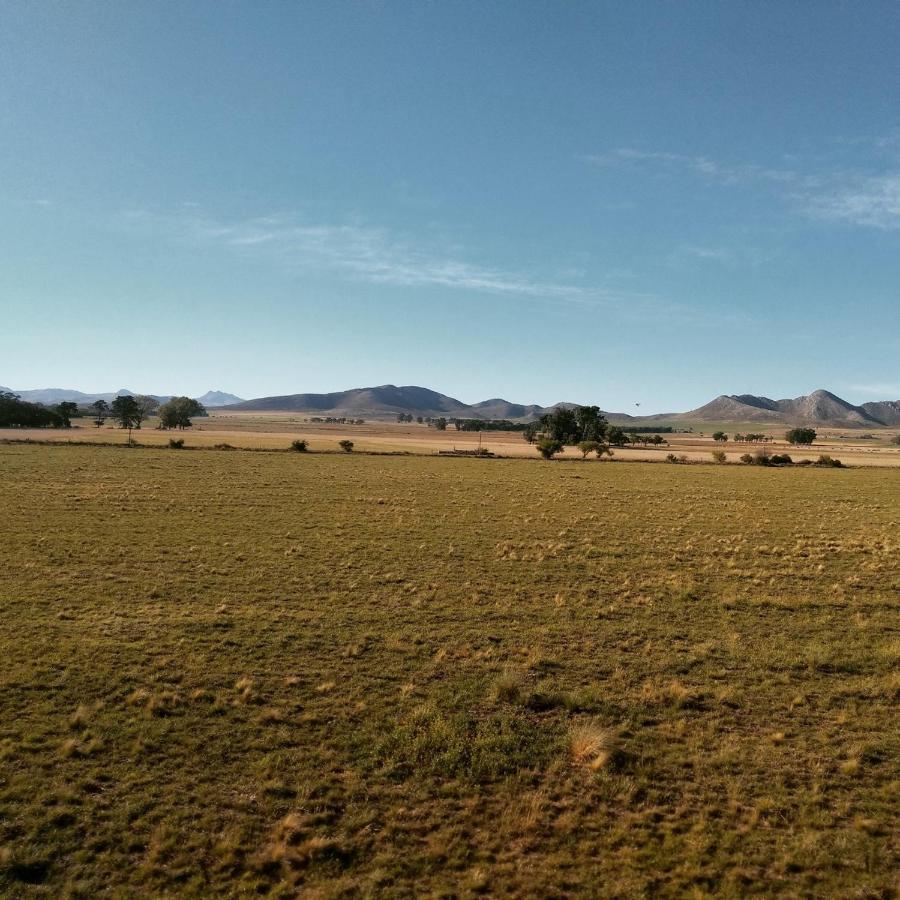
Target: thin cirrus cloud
725	173
374	255
843	194
873	201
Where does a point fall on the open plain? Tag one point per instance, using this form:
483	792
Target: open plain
275	431
236	673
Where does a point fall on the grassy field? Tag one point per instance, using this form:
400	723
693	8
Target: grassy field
233	673
274	431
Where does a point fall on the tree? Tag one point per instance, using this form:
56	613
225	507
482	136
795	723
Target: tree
549	447
591	423
126	412
146	406
177	413
720	436
101	411
66	411
299	446
18	413
801	437
530	432
346	446
895	439
440	424
571	426
561	425
616	436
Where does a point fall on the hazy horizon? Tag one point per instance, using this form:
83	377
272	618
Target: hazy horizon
634	410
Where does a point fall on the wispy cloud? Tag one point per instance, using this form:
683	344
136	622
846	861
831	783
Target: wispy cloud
741	254
375	255
873	201
715	170
848	194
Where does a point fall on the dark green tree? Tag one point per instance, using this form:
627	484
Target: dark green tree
146	407
592	424
101	411
125	411
18	413
179	411
561	425
549	447
801	437
66	411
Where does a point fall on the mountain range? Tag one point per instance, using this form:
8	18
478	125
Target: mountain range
386	401
211	399
819	407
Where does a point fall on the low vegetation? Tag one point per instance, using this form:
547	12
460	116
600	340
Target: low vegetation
228	675
801	437
18	413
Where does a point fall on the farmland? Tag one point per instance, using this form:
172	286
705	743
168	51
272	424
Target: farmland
274	431
236	673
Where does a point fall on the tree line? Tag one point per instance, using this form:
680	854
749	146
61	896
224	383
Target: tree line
336	420
18	413
126	411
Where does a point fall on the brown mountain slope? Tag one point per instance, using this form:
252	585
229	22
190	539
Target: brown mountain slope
386	401
887	411
818	408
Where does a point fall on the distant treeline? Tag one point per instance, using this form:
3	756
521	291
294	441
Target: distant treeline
488	425
127	411
335	420
18	413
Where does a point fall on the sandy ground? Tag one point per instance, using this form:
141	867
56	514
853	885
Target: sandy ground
277	430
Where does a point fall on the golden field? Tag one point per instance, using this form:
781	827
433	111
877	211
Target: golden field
274	431
283	674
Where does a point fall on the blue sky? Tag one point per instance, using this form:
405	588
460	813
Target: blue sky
615	203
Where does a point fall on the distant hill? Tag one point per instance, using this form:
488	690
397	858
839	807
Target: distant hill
887	411
818	408
387	400
382	402
58	395
50	396
503	409
213	399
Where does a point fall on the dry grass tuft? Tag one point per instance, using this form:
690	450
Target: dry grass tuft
593	745
507	687
80	717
